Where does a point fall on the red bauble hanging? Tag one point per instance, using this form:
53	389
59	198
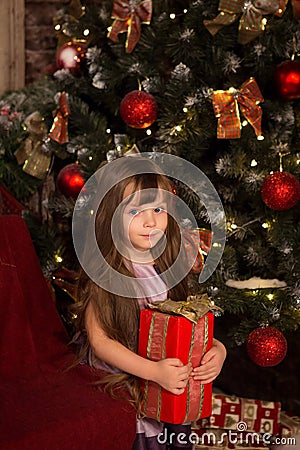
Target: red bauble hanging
138	109
266	346
280	191
71	56
70	180
287	78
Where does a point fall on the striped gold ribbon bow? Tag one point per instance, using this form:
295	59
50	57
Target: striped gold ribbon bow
33	152
193	308
128	16
252	23
59	129
226	107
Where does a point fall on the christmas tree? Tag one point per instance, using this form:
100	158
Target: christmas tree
216	83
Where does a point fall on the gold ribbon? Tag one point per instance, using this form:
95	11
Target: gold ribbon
195	307
128	16
59	129
225	104
33	153
252	23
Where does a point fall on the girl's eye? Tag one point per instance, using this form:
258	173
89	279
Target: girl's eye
133	212
158	210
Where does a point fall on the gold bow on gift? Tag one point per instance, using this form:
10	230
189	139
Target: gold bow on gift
128	16
59	129
252	23
195	307
226	108
33	153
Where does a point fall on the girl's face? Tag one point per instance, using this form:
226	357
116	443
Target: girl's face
145	219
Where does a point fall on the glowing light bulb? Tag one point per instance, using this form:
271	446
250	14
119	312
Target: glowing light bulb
253	163
58	258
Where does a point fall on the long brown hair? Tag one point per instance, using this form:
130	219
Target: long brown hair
118	316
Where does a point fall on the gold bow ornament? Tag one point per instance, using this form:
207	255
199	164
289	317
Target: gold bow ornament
33	152
252	22
226	108
59	129
128	17
195	307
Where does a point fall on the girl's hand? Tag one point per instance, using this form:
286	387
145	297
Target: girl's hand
172	375
211	363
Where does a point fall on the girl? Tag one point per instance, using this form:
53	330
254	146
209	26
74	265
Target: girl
138	235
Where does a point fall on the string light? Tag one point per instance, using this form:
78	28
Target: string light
244	123
108	130
90	158
266	225
91	212
86	32
270	296
178	128
149	132
172	16
185	109
58	258
231	226
253	163
57	27
185	11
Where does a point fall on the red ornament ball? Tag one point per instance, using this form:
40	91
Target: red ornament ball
266	346
71	56
287	78
280	191
70	180
138	109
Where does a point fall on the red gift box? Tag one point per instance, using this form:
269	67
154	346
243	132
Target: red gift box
230	411
169	336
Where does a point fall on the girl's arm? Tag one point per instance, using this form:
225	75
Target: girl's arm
211	363
169	373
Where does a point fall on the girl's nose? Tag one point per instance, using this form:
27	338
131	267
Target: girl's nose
149	218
